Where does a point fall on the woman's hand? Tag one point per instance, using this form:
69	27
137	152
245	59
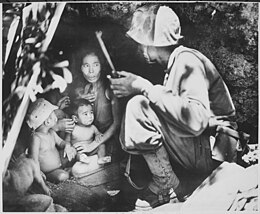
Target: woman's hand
91	97
64	102
69	151
65	125
82	146
128	84
99	138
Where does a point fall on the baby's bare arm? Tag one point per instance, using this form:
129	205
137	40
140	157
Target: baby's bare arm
34	148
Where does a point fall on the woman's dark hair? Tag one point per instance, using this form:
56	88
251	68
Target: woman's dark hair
87	49
84	51
78	54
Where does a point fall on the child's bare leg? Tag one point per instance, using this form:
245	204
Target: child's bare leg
101	151
57	176
80	169
82	157
102	158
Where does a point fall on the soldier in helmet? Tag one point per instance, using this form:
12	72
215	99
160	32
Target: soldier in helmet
169	124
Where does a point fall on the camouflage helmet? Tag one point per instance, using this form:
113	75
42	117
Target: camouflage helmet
154	25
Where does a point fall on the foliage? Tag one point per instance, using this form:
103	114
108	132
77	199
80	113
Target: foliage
252	156
27	54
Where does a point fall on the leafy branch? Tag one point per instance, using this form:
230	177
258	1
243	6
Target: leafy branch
32	40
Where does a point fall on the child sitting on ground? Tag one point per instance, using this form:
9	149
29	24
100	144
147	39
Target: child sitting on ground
42	118
85	137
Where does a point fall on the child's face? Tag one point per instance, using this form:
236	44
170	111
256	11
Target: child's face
85	115
91	68
52	119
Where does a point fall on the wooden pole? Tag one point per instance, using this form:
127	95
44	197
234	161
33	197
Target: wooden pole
18	120
53	25
103	47
11	36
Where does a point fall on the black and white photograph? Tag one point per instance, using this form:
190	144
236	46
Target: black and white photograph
130	106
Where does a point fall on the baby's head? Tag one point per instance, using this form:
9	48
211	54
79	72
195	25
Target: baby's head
91	65
41	113
82	112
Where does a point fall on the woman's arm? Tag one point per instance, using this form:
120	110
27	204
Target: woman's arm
64	102
65	125
117	116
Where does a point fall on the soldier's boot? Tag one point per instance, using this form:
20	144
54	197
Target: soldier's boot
163	181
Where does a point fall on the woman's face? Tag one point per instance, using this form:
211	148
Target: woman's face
91	68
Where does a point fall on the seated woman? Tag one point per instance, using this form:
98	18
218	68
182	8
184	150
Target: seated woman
107	112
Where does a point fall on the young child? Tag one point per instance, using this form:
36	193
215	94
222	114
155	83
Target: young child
42	118
85	137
